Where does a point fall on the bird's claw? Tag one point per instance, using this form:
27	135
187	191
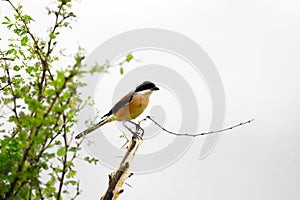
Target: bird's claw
137	129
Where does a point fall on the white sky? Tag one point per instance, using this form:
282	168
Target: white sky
255	46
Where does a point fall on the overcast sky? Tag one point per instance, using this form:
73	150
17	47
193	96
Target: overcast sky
255	47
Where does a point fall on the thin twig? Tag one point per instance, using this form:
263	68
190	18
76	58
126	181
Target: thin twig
65	159
56	25
13	94
49	49
5	86
198	134
4	58
39	50
77	192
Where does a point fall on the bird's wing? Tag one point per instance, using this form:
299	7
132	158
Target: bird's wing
123	101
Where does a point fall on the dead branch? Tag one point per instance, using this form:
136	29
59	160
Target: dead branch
117	179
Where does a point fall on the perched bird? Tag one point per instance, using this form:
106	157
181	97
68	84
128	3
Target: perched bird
129	107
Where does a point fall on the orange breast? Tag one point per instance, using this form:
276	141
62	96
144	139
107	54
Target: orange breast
135	107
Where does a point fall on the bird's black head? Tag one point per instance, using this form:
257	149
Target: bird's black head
147	85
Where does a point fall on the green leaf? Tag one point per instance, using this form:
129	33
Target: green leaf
10	51
121	70
49	92
12	118
24	41
27	18
49	155
61	152
39	139
9	26
71	173
24	31
52	36
58	170
58	83
73	149
7	18
33	104
72	182
17	31
16	68
129	57
29	69
91	160
66	95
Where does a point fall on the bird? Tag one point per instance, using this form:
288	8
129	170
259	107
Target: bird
127	108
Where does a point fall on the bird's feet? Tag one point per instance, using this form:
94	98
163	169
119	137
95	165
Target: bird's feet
139	131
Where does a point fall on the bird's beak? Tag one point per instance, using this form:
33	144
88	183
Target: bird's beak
155	88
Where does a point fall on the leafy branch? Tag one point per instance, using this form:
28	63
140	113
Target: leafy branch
40	105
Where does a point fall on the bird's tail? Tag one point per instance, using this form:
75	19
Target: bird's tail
94	127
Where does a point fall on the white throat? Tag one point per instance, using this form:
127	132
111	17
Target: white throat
145	92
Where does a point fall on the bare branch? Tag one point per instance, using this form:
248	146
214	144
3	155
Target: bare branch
198	134
117	179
